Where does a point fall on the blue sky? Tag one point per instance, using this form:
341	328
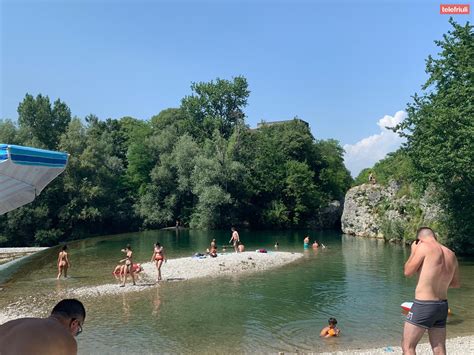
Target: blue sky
342	66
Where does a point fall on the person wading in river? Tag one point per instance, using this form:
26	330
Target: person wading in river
63	262
438	270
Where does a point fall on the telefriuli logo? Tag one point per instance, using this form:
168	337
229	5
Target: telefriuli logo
454	9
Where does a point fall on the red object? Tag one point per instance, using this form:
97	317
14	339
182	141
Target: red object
135	267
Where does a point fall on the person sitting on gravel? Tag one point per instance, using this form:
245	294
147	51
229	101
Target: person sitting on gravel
213	252
119	269
45	336
240	247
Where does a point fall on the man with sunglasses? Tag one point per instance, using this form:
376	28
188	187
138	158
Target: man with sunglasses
52	335
437	269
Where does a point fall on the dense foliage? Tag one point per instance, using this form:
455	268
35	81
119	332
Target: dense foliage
439	129
396	166
198	163
440	132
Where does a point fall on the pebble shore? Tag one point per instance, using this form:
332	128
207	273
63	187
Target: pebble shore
182	269
455	346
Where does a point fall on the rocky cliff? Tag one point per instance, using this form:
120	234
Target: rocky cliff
391	212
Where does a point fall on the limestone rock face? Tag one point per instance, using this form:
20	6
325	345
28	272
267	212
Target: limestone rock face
370	209
359	216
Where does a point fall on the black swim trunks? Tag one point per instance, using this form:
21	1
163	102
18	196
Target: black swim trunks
428	314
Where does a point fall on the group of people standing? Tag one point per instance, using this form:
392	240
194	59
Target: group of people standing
129	268
126	266
234	241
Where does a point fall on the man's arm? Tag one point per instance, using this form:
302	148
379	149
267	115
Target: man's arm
418	253
455	282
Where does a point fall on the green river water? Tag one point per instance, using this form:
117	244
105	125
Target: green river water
358	281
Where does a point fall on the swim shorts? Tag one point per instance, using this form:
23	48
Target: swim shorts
428	314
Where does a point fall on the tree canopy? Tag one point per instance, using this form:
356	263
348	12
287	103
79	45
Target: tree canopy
439	132
198	163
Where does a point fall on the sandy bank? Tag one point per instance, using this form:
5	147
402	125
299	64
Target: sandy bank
459	345
182	269
9	254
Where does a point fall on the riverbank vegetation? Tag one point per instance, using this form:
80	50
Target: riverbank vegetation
198	163
438	155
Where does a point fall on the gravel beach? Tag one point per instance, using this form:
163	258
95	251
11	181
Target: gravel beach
182	269
455	346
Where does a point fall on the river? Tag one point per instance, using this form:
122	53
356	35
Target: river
358	281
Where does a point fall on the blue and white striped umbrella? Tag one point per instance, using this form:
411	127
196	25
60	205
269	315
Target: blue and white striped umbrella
25	172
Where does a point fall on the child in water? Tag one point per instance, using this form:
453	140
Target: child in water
331	330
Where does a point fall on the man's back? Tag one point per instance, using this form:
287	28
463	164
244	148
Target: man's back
45	336
437	271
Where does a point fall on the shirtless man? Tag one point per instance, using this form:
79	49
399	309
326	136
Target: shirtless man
44	336
437	268
234	239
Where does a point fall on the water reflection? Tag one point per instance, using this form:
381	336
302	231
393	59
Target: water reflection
156	303
125	309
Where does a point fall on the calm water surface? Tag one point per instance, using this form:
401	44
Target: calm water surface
358	281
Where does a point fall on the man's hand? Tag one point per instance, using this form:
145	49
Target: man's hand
416	258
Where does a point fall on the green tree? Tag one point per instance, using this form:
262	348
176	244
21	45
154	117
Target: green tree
41	123
8	132
215	106
334	177
396	166
97	198
440	132
300	192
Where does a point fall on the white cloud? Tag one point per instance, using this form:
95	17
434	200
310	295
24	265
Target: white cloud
368	151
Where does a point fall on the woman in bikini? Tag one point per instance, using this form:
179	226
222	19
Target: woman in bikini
158	257
63	262
128	267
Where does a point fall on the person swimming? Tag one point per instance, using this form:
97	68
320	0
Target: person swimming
315	245
63	262
331	330
158	257
306	242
